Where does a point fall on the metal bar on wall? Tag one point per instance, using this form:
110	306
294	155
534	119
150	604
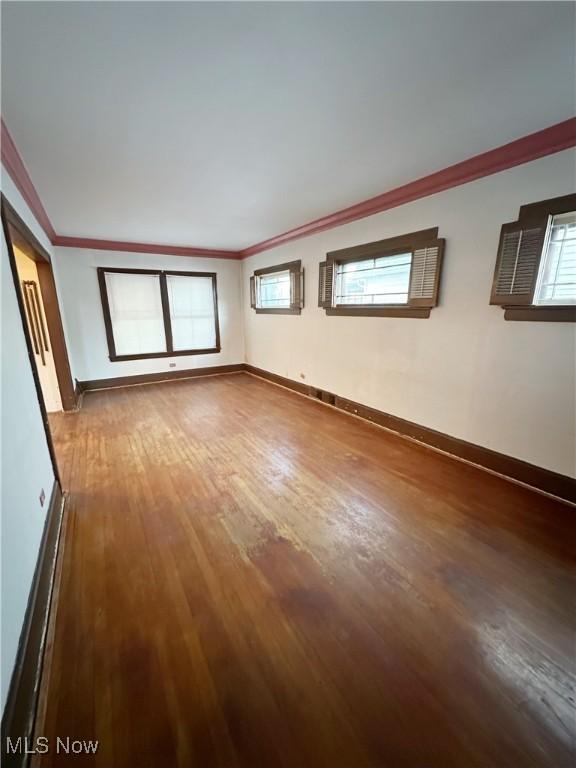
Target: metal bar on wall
43	330
31	322
34	315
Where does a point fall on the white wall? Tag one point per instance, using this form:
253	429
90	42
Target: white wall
509	386
82	308
25	461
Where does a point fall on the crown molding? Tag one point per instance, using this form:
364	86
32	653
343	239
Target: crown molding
15	167
539	144
92	243
546	142
12	161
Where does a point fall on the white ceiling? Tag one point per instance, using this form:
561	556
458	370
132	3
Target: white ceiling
222	124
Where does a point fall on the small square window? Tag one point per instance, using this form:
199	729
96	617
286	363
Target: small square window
278	289
273	290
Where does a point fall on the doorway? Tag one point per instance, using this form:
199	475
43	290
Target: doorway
38	303
38	329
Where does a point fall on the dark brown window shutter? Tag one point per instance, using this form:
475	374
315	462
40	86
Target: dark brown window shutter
519	253
253	292
296	289
325	281
425	274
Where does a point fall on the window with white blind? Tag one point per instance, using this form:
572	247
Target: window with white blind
278	289
396	277
556	283
535	273
192	312
136	313
152	313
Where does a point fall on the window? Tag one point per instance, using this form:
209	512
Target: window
274	290
395	277
374	281
149	313
556	283
192	311
278	289
535	274
136	313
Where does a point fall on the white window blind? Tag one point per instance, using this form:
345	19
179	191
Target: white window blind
384	280
274	290
192	317
556	282
136	313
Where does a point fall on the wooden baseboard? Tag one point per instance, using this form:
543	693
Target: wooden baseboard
541	479
153	378
21	704
297	386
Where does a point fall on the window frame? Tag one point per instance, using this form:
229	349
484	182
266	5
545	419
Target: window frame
392	246
548	242
162	274
534	215
295	269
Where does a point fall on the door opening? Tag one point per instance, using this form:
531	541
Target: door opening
41	320
38	329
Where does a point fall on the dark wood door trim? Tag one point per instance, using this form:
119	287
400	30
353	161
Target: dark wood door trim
18	233
56	333
19	715
28	338
22	235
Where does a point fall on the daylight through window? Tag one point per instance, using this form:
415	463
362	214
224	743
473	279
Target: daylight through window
149	313
383	280
556	282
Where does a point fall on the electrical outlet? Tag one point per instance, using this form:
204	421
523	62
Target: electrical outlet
171	365
42	497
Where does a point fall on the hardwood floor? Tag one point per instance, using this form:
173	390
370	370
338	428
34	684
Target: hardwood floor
253	579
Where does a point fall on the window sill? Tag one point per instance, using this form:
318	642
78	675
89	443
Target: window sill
357	311
278	311
542	314
151	355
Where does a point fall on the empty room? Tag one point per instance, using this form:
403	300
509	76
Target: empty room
288	389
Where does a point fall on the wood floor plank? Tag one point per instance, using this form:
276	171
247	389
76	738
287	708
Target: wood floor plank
251	580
